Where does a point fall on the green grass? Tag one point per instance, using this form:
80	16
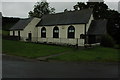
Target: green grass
97	54
30	50
3	32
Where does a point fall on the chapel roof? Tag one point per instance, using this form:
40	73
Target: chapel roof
98	27
21	24
65	18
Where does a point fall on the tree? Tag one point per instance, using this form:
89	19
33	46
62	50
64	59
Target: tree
41	8
99	9
107	41
66	10
113	26
80	6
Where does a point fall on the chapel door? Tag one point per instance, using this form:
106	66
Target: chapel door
30	36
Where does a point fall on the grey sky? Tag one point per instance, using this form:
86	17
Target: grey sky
119	7
0	7
16	9
21	9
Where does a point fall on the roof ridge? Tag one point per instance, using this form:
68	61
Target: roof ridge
69	12
71	17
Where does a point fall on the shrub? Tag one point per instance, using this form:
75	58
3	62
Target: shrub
107	41
117	46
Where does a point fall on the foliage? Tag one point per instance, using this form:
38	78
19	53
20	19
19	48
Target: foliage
8	22
79	6
41	8
66	10
107	41
5	33
113	26
101	11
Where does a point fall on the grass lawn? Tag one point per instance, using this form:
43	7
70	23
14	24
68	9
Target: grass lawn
97	54
30	50
3	32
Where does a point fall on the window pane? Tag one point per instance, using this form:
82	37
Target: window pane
43	32
71	32
56	32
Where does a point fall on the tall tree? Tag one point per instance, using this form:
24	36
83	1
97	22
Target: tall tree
113	26
41	8
99	9
80	6
66	10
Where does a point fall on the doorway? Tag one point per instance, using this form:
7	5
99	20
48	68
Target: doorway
30	36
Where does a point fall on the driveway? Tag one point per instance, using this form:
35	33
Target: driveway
14	67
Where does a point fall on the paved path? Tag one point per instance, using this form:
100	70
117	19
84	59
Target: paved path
14	67
46	57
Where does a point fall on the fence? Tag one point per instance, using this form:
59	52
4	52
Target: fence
60	41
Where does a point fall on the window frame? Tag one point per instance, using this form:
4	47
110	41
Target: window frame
55	32
71	32
43	34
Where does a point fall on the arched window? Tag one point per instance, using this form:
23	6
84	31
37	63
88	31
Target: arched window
71	32
55	32
43	32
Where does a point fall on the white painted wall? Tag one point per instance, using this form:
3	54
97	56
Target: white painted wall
36	33
88	25
30	28
79	29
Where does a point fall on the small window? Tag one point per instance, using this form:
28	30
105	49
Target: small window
55	32
43	32
71	32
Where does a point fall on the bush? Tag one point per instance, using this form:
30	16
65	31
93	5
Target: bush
107	41
117	46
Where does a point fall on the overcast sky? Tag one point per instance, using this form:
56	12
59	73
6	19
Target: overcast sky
20	9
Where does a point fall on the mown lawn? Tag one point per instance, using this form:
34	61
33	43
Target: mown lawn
30	50
3	32
97	54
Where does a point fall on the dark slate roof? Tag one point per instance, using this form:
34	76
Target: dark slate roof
21	24
98	27
70	17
